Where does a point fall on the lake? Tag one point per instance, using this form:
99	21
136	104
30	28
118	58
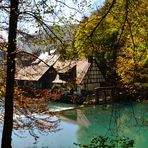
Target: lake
80	125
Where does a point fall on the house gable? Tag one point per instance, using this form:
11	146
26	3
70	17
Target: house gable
93	77
82	72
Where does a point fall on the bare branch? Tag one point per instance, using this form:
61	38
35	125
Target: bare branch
44	25
103	17
68	6
36	57
125	20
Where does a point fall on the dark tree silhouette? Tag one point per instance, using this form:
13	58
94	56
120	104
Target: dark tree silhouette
11	52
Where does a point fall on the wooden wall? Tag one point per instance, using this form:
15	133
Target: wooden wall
93	78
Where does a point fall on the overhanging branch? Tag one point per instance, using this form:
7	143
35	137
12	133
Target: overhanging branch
103	17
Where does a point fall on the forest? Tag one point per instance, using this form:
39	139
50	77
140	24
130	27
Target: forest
115	34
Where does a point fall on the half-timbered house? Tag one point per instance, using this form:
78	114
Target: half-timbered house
85	74
89	75
47	70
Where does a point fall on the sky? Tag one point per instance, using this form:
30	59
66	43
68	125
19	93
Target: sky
85	6
96	4
88	6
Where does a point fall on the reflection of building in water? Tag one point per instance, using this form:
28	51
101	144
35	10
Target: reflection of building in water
109	120
76	117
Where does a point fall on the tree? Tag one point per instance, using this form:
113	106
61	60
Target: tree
101	41
40	14
8	117
115	32
3	46
133	58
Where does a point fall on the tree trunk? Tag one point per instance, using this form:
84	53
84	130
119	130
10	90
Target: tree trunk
11	52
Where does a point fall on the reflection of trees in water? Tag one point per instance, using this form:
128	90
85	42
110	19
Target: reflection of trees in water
115	121
34	118
98	118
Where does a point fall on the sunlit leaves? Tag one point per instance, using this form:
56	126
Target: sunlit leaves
107	142
122	35
132	69
84	43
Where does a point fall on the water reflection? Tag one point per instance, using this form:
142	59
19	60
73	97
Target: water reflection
112	120
80	125
77	117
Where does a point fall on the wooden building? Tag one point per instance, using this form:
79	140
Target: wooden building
85	74
22	59
66	72
89	75
48	70
39	74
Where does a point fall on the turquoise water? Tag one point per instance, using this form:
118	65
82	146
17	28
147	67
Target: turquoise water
82	124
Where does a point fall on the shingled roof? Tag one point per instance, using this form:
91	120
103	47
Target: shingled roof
36	70
81	70
85	70
63	67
